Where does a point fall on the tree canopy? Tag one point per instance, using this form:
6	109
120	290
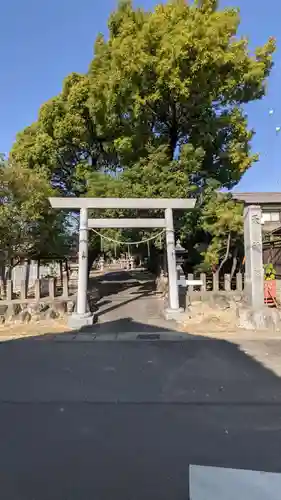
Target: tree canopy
161	112
28	227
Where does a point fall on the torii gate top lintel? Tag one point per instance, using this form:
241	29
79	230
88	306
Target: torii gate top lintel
72	203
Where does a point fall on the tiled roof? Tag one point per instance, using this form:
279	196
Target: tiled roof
265	198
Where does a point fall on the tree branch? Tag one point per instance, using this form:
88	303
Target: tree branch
226	253
234	263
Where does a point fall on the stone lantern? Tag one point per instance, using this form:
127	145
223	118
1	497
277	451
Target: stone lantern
181	254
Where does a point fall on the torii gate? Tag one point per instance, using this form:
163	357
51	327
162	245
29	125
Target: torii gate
81	317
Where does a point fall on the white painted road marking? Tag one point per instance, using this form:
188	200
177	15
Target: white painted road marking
213	483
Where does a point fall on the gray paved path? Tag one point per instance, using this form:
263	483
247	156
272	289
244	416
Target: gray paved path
124	420
129	303
85	420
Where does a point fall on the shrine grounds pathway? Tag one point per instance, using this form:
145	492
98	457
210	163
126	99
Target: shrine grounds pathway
111	420
129	304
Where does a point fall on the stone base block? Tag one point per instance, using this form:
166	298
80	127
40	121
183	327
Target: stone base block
173	314
264	319
78	321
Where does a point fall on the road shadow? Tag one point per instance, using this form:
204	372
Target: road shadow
112	283
86	419
119	289
144	291
130	325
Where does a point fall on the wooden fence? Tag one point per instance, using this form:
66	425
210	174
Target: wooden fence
212	285
49	289
215	283
44	289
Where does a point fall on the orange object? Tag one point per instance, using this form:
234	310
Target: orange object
270	292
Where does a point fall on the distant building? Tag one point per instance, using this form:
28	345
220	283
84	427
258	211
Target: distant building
271	224
270	204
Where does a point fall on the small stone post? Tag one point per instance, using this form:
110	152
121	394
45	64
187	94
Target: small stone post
37	290
216	283
227	283
204	281
190	277
65	285
9	290
101	263
52	288
254	274
239	282
23	290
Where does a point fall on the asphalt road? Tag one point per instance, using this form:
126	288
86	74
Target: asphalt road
109	420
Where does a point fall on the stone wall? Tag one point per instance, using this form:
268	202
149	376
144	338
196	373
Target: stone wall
30	272
37	311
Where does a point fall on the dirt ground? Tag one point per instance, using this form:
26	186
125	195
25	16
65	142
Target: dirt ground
15	331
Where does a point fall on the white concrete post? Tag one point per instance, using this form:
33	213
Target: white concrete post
101	263
254	273
81	317
171	260
83	263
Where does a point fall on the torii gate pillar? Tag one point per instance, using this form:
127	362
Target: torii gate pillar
174	308
81	316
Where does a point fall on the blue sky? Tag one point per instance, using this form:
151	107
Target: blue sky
43	41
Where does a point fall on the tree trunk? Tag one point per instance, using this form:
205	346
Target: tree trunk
172	144
234	263
226	254
67	269
27	276
2	279
61	272
173	131
8	274
38	269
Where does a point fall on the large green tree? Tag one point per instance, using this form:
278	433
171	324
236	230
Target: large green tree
28	226
174	78
161	112
64	142
179	75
